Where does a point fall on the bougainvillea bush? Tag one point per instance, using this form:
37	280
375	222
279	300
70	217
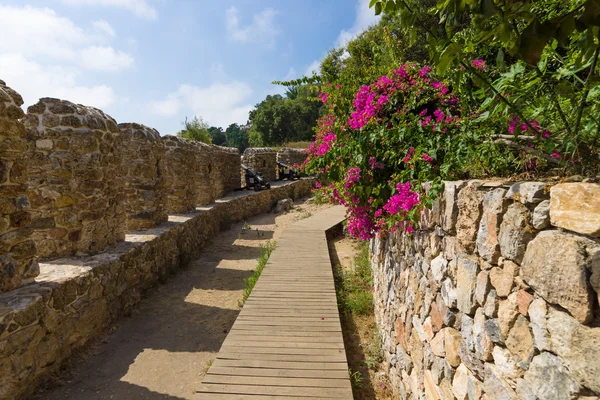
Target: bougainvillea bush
378	145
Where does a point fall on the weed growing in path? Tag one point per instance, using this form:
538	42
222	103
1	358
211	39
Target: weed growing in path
265	253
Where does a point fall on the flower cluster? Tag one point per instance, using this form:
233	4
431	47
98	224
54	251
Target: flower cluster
373	143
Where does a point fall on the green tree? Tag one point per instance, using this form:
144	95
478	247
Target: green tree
195	130
217	135
237	136
279	119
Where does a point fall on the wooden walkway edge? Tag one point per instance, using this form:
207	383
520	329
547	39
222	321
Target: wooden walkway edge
287	341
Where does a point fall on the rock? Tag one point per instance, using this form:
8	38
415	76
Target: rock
483	342
541	215
537	316
507	314
491	304
469	214
439	266
450	208
576	207
446	389
466	331
437	345
524	390
502	280
452	339
506	364
449	293
432	391
466	278
524	299
460	383
437	320
495	386
428	329
482	287
520	340
578	345
284	205
492	328
557	265
515	232
400	333
548	378
527	192
418	327
475	388
487	236
416	352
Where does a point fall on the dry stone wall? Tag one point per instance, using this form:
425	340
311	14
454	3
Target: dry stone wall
495	296
142	155
18	263
180	158
291	157
75	186
74	299
262	160
224	170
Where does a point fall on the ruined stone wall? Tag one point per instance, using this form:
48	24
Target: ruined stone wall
495	296
225	170
18	263
291	157
75	299
75	188
142	155
263	160
180	158
204	158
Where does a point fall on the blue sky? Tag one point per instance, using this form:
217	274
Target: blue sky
157	61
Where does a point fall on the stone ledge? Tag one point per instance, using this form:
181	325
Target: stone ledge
74	299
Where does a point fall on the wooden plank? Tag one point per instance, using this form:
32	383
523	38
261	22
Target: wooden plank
228	348
322	393
274	381
226	396
235	336
290	373
283	345
282	365
341	357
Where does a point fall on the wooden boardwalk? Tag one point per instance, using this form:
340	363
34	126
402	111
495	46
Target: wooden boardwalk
287	341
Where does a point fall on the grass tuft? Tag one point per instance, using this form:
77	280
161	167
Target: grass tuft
355	292
263	258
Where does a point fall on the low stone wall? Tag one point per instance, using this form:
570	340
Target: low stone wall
142	155
75	188
180	158
262	160
75	299
225	170
291	157
495	296
18	263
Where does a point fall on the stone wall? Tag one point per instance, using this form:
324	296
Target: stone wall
18	264
495	296
180	157
142	155
263	160
225	170
75	188
291	156
75	299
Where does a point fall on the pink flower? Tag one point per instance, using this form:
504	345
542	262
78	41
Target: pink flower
409	155
479	64
556	154
427	158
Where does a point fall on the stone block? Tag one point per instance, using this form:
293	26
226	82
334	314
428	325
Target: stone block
515	232
547	378
576	207
450	205
487	236
466	284
520	341
527	192
469	215
557	266
541	215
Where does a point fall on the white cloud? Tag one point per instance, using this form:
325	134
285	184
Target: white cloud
365	17
261	30
105	59
104	27
47	54
33	81
139	8
220	104
314	66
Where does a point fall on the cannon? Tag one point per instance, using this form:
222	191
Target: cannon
254	180
286	172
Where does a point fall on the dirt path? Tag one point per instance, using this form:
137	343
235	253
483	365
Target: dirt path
163	349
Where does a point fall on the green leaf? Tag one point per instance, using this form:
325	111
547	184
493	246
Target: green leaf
372	3
533	40
377	8
449	54
500	59
487	8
